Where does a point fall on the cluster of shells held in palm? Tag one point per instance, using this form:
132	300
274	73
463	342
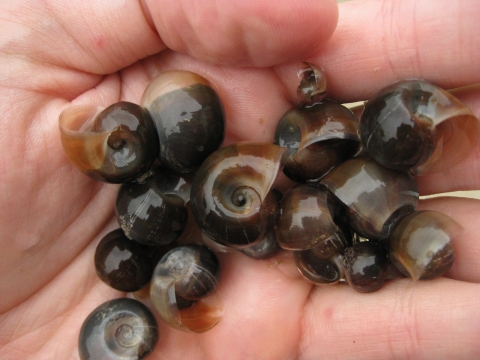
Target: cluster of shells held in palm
351	217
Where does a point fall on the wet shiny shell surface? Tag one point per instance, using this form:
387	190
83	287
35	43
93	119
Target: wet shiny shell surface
120	329
318	137
189	118
148	213
414	125
421	244
365	265
231	198
122	263
115	145
375	197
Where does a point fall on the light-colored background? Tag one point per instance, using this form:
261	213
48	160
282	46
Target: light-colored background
470	194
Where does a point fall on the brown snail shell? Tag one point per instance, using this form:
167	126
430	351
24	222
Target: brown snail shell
417	126
181	282
114	145
304	219
421	244
120	329
265	249
313	84
152	210
189	118
319	270
231	196
365	264
317	137
376	197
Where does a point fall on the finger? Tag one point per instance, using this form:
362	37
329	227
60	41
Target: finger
466	266
246	33
403	320
377	42
103	37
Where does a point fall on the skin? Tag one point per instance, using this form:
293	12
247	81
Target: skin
54	53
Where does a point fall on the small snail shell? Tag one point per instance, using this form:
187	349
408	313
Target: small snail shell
153	212
376	197
417	126
114	145
189	118
304	219
181	280
318	270
365	264
313	84
317	137
266	248
120	329
231	198
122	263
421	244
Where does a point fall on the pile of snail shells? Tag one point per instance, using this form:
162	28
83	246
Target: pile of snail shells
351	216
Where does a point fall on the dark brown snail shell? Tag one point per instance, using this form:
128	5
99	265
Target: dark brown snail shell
417	126
421	244
189	118
152	211
120	329
375	197
319	270
317	137
365	264
265	249
122	263
231	198
313	84
181	281
114	145
304	219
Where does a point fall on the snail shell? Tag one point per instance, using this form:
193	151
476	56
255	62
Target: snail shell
304	219
182	278
365	264
114	145
120	329
122	263
317	137
421	244
376	197
417	126
313	84
189	118
265	249
231	198
153	212
319	270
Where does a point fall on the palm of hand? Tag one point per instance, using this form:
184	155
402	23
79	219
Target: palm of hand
53	216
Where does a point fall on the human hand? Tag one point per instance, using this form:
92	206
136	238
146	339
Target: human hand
54	54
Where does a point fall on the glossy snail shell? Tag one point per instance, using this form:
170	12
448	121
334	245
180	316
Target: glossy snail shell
152	210
304	219
365	264
120	329
421	244
319	270
181	283
189	117
231	198
114	145
318	137
313	84
121	263
417	126
375	197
